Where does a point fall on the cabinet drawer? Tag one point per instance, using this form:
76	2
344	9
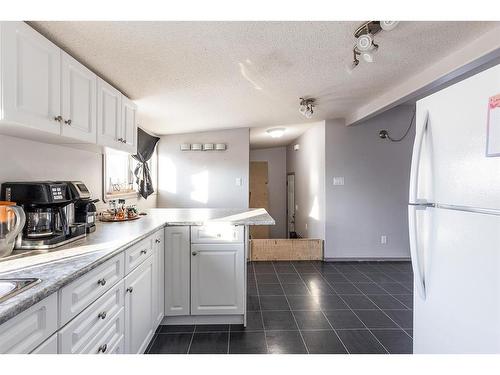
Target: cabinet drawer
109	337
49	346
137	254
216	233
29	329
76	296
86	326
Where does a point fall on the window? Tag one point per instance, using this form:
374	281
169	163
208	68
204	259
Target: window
120	181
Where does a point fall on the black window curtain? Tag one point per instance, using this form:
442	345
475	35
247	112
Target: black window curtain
145	147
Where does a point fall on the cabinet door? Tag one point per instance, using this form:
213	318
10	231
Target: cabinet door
31	78
109	112
159	278
139	308
129	125
217	279
78	99
26	331
177	270
49	346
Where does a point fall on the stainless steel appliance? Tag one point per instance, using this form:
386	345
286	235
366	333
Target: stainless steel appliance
49	210
84	207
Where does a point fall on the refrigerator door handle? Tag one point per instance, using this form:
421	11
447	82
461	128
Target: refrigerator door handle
418	271
415	161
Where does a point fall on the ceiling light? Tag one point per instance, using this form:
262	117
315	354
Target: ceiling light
388	25
365	42
307	107
276	132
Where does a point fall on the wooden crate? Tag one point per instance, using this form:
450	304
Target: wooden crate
286	249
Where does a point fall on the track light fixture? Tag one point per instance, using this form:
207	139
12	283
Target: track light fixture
307	107
365	43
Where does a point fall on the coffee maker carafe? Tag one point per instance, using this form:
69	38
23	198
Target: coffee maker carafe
49	213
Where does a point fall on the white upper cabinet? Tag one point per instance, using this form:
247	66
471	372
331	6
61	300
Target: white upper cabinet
109	112
129	125
31	78
78	100
48	96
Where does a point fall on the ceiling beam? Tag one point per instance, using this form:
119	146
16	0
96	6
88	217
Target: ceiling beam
478	53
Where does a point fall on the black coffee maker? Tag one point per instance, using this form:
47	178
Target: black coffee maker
49	209
85	209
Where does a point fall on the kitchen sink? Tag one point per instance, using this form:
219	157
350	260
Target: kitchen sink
11	287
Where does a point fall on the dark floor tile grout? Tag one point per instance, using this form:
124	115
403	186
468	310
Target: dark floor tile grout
295	320
318	271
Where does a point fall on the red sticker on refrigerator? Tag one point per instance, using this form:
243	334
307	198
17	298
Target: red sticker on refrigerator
493	127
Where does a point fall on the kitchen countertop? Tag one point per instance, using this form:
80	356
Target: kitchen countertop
67	263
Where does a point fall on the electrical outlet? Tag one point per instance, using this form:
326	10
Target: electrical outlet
238	181
383	239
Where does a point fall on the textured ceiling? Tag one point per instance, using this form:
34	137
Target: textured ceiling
193	76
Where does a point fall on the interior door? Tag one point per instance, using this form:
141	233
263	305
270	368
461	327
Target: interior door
79	89
139	307
31	78
217	279
109	114
259	195
290	205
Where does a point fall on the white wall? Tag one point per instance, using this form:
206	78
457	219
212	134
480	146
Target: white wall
276	163
308	164
189	179
373	201
24	160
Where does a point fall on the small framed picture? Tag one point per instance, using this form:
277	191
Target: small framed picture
493	127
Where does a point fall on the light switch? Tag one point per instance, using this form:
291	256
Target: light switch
238	181
338	180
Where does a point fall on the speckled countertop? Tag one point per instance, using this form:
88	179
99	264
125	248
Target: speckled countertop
66	263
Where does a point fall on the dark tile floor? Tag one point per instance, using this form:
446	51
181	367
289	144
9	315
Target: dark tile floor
310	307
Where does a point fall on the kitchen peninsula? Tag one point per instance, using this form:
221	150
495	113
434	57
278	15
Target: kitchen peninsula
111	290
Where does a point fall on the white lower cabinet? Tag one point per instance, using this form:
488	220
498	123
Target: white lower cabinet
29	329
49	346
90	325
217	279
109	338
177	271
158	278
139	307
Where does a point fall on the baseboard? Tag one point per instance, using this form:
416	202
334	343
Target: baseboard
203	319
369	259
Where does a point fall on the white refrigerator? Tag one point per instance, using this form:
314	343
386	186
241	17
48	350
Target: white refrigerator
454	218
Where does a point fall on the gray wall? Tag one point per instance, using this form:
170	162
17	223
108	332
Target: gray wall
276	162
308	164
373	201
188	179
25	160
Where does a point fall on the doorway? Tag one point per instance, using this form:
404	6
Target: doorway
290	205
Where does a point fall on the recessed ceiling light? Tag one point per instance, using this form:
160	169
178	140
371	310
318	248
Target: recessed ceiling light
276	132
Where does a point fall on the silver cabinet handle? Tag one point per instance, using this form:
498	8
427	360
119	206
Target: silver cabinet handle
102	348
157	240
194	253
124	141
120	140
68	122
102	315
130	289
102	281
144	251
58	118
